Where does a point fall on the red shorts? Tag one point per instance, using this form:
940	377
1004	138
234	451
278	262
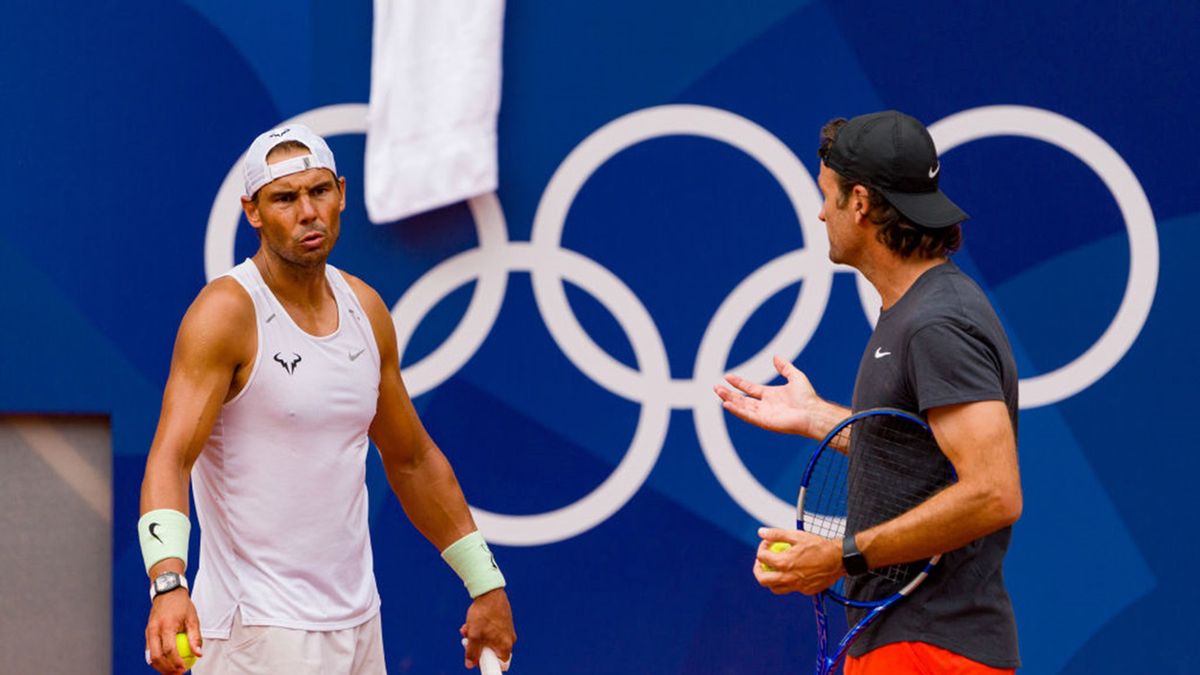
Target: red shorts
917	658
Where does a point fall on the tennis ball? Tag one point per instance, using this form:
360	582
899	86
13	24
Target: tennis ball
185	650
775	547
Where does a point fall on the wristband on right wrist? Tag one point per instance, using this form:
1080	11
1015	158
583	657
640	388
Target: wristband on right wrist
474	563
163	533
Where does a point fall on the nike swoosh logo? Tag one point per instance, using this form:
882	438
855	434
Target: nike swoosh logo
358	354
934	171
151	528
879	353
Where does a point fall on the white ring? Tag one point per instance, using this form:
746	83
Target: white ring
643	125
708	414
1100	157
627	478
486	264
651	383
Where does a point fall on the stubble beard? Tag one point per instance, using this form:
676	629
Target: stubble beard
291	255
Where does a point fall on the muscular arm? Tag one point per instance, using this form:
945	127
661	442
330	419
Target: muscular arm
418	472
215	339
211	345
978	439
425	483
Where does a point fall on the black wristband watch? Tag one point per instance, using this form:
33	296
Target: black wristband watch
165	583
853	560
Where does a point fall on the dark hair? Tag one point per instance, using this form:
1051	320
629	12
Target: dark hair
900	235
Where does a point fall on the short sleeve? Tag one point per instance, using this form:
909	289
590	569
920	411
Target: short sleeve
948	364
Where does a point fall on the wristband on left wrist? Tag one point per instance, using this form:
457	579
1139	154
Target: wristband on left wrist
474	563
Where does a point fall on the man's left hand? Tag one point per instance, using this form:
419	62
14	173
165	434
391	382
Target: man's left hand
489	624
811	565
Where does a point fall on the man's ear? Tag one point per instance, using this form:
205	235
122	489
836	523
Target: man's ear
252	214
860	202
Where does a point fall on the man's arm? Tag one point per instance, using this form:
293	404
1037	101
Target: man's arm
791	408
209	348
424	481
417	471
978	440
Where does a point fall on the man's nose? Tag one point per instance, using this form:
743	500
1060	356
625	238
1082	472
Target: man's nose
308	210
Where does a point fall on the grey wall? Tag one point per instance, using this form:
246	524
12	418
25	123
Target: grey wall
55	545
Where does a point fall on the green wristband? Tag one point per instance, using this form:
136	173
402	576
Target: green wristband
474	563
163	534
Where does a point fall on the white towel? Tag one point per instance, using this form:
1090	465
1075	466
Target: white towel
435	94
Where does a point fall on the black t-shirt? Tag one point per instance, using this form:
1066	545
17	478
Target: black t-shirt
942	344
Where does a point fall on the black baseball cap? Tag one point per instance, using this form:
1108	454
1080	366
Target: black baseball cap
894	153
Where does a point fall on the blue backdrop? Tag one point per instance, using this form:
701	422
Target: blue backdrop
679	240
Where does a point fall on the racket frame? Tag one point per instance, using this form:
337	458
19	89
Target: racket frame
826	662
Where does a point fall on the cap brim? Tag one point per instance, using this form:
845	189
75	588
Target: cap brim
927	209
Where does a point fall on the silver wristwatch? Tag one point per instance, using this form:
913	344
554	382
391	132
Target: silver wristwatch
165	583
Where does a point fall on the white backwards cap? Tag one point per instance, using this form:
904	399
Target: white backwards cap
258	173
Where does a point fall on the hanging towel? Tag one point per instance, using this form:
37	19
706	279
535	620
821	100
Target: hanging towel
435	94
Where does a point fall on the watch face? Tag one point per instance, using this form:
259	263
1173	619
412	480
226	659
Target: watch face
855	564
166	582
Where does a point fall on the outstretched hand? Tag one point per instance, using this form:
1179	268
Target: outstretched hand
790	408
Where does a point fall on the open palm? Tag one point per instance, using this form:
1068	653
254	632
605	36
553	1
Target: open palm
790	408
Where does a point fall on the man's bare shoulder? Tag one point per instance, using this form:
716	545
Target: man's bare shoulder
223	298
378	314
219	319
369	298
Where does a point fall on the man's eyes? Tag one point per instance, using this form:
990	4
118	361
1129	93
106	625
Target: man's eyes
288	197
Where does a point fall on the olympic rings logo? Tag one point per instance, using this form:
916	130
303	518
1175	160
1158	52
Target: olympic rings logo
651	384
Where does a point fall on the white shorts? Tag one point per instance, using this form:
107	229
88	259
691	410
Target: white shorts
269	650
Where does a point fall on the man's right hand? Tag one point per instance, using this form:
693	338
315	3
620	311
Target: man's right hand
171	613
790	408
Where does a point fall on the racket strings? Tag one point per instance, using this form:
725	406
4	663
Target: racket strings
895	465
825	505
892	465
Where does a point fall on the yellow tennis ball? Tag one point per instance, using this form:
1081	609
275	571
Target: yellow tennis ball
775	547
185	650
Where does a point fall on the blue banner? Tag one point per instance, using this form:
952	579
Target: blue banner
655	227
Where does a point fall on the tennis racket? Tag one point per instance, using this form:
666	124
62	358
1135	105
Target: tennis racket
873	466
489	663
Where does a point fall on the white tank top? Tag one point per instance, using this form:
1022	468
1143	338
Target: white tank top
280	486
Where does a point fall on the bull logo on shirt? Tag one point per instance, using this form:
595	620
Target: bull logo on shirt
289	366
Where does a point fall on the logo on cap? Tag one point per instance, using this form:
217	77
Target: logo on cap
280	133
934	171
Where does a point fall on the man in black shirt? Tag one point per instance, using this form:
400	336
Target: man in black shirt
939	350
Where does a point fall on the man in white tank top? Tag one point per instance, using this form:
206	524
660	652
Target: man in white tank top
282	371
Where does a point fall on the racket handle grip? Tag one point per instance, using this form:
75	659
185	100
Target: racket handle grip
489	663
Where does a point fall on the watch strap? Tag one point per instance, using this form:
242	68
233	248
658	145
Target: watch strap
854	562
180	582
